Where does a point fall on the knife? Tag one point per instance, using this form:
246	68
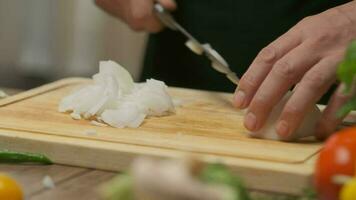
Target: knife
217	61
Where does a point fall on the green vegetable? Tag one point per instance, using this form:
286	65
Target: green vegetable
121	187
349	106
219	174
346	74
347	68
16	157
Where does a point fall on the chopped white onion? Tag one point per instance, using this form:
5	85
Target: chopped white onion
95	123
115	99
75	116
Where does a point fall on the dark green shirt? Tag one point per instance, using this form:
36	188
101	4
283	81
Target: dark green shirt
238	30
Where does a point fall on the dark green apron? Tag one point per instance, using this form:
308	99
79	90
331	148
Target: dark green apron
236	29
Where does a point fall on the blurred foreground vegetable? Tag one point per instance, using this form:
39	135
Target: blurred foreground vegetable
17	157
9	189
175	180
219	174
348	191
151	179
338	157
347	75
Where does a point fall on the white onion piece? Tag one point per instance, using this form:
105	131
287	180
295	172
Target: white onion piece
95	123
121	76
127	115
268	131
115	99
152	98
75	116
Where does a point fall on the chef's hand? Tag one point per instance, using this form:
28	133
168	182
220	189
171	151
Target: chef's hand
307	55
138	14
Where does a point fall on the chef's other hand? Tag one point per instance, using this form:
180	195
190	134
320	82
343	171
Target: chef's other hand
138	14
307	55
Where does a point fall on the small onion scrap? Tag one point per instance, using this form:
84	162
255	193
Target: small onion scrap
3	94
116	100
48	182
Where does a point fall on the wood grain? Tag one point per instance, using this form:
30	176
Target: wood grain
83	187
33	184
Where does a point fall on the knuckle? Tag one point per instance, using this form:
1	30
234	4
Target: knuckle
341	97
315	81
292	111
306	20
261	101
322	37
285	70
248	81
267	54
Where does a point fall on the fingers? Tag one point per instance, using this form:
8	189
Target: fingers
329	119
310	89
262	65
285	73
138	14
141	16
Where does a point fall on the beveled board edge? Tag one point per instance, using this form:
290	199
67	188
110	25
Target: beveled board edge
257	174
42	89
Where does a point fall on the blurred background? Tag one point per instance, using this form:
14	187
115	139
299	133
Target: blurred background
45	40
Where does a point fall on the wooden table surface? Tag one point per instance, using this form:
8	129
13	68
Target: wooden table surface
70	182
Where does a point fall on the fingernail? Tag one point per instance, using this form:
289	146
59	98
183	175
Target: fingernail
239	99
283	128
250	121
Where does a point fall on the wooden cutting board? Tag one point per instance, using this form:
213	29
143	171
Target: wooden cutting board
205	124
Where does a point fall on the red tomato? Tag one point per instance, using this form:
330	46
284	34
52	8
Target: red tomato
337	157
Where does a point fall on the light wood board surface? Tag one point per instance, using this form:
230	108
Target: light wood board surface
206	125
